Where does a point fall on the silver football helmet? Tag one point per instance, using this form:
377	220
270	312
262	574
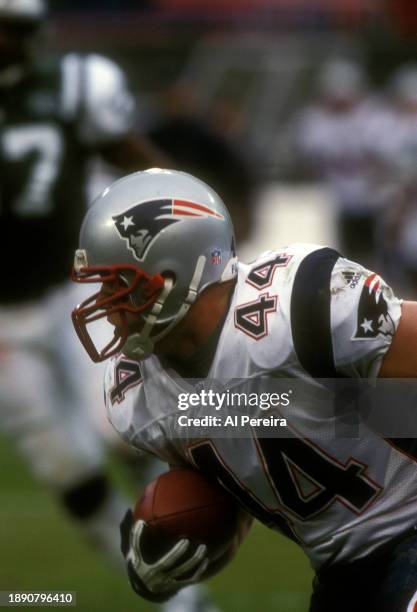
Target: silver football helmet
341	79
155	240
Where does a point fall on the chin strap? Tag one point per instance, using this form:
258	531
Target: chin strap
140	345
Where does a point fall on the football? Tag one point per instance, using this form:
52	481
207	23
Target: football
183	503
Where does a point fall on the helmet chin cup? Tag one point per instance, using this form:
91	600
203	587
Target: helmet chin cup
138	348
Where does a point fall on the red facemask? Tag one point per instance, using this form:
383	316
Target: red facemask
121	300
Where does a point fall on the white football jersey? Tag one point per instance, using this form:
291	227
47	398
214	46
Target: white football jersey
300	313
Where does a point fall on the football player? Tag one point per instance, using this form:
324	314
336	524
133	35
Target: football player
159	245
332	140
394	147
55	112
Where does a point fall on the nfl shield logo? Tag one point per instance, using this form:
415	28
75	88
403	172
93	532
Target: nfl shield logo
216	257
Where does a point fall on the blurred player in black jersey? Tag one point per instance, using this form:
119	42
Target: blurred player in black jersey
56	112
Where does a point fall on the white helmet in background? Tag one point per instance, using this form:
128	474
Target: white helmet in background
403	84
341	79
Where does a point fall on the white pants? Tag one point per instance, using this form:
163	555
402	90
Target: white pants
46	385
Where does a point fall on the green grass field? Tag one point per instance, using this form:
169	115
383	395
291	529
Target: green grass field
41	549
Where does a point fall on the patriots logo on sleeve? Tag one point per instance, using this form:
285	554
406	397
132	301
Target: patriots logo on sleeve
373	317
141	224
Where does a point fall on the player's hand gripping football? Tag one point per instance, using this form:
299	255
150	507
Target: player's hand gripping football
159	579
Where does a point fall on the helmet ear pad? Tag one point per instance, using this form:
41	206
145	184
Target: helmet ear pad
138	296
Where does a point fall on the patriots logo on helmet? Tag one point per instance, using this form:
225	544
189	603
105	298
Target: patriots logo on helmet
373	316
141	224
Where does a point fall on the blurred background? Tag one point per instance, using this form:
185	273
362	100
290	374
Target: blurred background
317	101
302	114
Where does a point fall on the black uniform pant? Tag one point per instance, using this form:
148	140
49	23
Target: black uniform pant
385	581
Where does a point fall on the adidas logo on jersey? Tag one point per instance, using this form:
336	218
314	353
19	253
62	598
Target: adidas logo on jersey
351	278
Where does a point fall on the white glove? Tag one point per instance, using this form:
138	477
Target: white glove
182	565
